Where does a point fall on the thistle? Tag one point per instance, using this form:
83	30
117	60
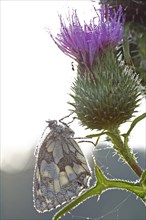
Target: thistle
84	43
106	91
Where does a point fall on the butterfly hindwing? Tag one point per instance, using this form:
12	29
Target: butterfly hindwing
61	171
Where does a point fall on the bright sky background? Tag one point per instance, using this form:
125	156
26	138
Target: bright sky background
36	77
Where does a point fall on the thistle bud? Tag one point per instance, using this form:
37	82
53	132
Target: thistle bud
109	99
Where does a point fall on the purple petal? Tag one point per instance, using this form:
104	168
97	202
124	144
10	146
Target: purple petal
85	42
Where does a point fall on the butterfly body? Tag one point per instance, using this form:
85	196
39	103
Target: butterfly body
61	172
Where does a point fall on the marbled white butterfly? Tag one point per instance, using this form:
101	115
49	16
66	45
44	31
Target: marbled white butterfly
61	171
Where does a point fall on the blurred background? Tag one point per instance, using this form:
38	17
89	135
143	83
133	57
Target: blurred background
36	79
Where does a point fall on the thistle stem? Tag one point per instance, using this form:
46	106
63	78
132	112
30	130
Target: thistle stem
102	184
91	192
125	153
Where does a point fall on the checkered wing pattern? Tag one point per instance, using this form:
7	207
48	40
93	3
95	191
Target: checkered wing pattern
61	171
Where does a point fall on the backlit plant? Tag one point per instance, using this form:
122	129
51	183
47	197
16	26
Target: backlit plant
106	91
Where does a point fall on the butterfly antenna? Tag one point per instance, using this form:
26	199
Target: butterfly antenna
66	124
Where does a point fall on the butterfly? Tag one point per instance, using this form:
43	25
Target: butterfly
61	171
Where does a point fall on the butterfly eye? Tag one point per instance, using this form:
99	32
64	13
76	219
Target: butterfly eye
51	123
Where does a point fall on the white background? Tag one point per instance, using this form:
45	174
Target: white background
36	77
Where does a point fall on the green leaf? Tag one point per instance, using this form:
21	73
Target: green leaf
143	179
133	124
95	135
97	141
101	179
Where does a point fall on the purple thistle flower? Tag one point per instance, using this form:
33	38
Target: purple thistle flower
85	42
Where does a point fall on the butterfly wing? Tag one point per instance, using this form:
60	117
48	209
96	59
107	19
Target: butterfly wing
61	173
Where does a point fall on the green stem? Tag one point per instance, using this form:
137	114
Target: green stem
138	189
91	192
124	152
102	185
132	187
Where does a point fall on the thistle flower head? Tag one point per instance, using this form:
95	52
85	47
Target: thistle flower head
85	42
106	92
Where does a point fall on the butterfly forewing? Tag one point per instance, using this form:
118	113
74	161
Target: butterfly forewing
61	171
